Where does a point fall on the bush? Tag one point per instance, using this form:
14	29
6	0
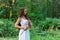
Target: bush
47	24
7	28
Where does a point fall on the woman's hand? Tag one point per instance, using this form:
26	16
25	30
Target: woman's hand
24	27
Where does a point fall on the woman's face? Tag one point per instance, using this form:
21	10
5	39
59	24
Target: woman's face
25	12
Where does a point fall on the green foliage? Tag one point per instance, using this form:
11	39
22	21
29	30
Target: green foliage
47	24
45	8
7	28
37	11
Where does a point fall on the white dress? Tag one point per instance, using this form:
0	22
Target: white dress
24	35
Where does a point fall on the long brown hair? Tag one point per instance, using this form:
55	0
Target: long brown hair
22	13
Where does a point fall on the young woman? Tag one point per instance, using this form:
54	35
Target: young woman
24	26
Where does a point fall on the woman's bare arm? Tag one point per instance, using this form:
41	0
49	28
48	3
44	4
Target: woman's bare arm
17	22
30	24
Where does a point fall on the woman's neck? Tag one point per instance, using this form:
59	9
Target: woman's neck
23	17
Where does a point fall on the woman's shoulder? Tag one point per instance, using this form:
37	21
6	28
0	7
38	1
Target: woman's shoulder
19	19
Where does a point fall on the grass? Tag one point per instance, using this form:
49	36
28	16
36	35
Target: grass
54	35
47	35
8	38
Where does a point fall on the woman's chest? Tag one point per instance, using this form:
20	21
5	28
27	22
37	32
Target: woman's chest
24	22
